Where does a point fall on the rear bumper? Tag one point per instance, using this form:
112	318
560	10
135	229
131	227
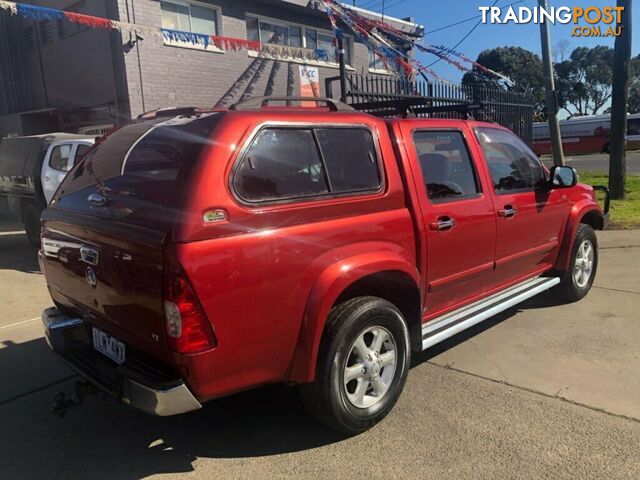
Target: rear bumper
136	383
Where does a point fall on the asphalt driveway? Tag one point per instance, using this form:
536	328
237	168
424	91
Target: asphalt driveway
543	390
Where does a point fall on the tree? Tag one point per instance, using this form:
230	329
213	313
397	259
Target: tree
560	51
523	67
584	80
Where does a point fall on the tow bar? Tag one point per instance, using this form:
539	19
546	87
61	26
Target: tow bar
61	403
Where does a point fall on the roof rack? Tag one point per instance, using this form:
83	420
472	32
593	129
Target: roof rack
408	107
169	112
259	102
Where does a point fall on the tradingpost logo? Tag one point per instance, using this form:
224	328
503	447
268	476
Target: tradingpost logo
588	21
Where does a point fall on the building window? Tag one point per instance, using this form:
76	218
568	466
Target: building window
67	28
376	64
190	17
275	32
44	29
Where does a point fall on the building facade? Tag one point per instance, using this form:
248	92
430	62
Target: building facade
58	75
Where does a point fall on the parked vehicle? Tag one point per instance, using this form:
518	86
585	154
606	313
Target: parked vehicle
589	134
31	168
204	254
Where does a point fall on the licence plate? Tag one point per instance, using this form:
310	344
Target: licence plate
108	345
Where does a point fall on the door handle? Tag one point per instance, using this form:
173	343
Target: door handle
98	199
443	224
508	211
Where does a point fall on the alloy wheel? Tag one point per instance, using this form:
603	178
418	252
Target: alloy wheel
370	367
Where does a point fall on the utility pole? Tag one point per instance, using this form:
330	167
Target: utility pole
551	97
619	100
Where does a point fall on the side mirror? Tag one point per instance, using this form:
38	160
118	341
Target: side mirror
563	177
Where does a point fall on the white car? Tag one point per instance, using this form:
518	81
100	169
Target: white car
60	158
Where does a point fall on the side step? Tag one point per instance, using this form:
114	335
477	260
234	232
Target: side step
441	328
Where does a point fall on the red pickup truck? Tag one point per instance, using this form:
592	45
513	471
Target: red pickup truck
197	255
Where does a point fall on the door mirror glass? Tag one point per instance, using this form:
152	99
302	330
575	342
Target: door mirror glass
563	177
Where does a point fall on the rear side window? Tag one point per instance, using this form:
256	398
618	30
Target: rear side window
446	166
350	157
281	163
296	163
81	151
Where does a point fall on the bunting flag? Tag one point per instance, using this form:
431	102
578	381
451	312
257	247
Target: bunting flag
387	41
271	51
383	39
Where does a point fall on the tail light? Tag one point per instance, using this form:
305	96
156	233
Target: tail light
188	330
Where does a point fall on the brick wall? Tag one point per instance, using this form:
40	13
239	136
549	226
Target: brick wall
161	75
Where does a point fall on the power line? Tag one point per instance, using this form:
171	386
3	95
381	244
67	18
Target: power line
468	19
376	4
463	38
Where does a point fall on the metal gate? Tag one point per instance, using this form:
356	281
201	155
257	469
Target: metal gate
392	96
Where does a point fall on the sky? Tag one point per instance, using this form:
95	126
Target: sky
434	14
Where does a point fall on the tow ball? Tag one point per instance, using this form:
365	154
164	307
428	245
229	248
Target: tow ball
81	390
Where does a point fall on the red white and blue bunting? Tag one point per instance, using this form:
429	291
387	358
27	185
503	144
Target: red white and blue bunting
386	41
389	44
271	51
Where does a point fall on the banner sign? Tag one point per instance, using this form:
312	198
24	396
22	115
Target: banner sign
309	83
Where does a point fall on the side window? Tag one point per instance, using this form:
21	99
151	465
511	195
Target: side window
281	164
446	166
350	157
59	159
81	151
293	163
512	165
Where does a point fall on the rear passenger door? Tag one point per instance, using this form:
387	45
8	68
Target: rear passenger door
530	217
458	216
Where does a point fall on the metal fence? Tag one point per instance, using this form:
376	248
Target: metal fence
392	96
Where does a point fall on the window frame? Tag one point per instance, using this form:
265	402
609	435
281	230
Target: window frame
474	167
70	158
303	29
533	156
179	44
248	142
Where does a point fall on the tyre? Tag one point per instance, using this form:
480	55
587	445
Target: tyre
577	280
362	366
31	221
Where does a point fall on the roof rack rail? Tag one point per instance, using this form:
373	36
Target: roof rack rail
258	102
409	107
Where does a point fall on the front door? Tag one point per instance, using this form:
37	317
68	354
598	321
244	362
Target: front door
458	217
530	217
59	160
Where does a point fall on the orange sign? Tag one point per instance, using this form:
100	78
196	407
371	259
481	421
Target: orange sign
309	84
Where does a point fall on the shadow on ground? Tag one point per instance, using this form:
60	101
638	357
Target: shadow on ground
543	300
113	441
16	253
